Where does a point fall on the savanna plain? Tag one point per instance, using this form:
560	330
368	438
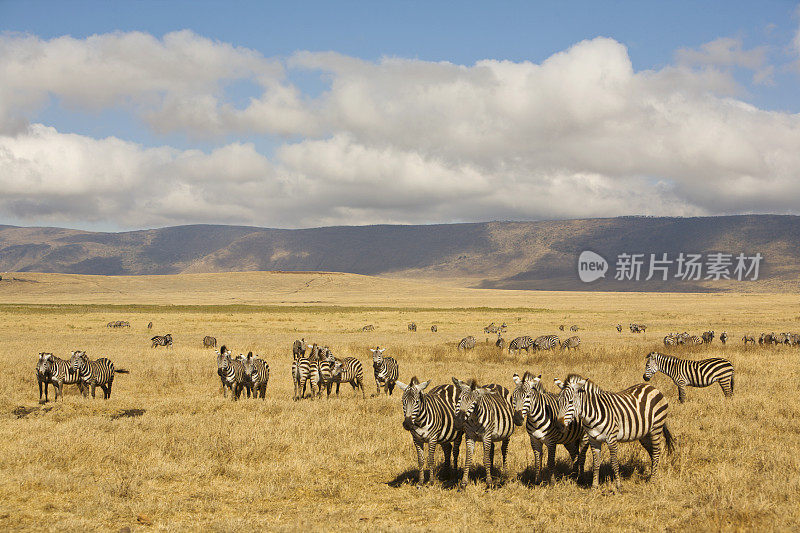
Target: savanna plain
168	452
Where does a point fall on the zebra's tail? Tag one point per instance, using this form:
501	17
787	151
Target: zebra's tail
121	371
669	439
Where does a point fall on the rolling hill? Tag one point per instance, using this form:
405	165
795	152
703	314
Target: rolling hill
508	255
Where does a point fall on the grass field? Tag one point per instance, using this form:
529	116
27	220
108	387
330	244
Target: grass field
188	459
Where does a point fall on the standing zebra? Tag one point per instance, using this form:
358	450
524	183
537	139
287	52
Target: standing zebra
691	373
693	340
500	342
708	336
149	325
574	328
162	340
429	418
491	328
434	329
256	371
220	372
58	372
412	327
232	374
561	327
99	373
619	328
546	342
572	342
537	408
749	339
467	343
323	378
349	370
209	342
386	370
368	327
520	343
723	337
484	415
636	413
299	348
302	371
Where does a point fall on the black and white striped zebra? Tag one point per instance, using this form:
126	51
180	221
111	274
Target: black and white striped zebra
298	348
162	340
386	370
638	328
150	325
691	373
412	327
233	376
348	370
434	329
491	328
256	370
546	342
430	418
636	413
570	343
303	370
748	339
484	414
58	372
368	327
671	339
693	340
708	336
467	343
500	342
574	328
537	408
92	374
209	342
619	328
220	362
520	343
723	337
324	374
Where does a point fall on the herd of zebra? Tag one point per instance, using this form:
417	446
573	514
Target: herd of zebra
79	370
578	416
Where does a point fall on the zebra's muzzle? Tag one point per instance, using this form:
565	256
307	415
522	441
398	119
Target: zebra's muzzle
408	424
459	420
517	418
646	377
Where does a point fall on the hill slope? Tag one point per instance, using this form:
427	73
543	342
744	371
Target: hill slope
513	255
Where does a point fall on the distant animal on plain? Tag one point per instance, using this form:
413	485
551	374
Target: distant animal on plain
162	340
209	342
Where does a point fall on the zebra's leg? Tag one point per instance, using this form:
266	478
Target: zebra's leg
536	446
40	393
595	463
447	448
432	460
681	390
93	387
612	450
574	450
467	463
419	446
647	442
456	446
726	384
378	387
551	460
504	452
488	458
655	450
390	386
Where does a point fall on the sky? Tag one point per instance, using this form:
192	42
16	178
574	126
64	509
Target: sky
128	115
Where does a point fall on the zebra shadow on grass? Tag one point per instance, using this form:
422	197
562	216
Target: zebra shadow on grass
449	478
563	471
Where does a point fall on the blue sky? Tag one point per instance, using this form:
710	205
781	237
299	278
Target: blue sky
686	59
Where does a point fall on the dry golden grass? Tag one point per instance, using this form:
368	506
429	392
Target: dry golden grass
193	460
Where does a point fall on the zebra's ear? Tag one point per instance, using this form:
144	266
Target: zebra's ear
516	379
581	384
424	385
461	385
382	350
537	378
402	385
558	383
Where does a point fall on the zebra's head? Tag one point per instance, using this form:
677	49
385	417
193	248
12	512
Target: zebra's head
44	367
412	401
570	399
337	369
77	360
377	356
651	366
521	397
468	400
249	366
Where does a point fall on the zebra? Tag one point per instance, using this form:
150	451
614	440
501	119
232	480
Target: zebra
794	339
92	374
781	338
303	369
693	340
723	337
429	418
467	343
386	370
58	372
298	349
165	340
111	324
485	415
491	328
572	342
323	378
708	336
520	343
637	328
149	325
209	342
233	375
500	342
537	408
256	371
749	339
636	413
767	338
574	328
412	327
368	327
691	373
434	329
220	372
561	327
619	328
546	342
348	370
670	340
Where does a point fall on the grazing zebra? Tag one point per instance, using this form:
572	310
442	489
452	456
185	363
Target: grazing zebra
303	369
691	373
503	327
546	342
537	408
708	337
429	418
749	339
723	338
111	324
368	327
484	414
782	338
348	370
412	327
256	371
99	373
619	328
467	343
434	329
767	338
637	328
209	342
574	328
233	375
636	413
561	327
491	328
298	349
165	340
520	343
500	342
58	372
149	325
386	370
572	342
794	339
671	340
693	340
